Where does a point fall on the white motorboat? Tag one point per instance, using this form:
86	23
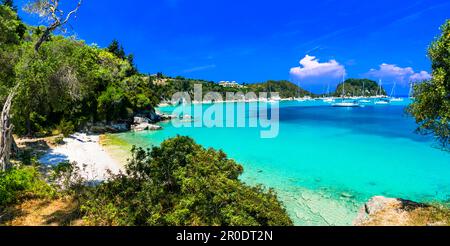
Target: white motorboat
344	103
382	102
397	100
347	105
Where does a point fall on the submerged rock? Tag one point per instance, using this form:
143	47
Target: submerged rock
347	195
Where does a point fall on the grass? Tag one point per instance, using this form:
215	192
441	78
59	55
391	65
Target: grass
43	212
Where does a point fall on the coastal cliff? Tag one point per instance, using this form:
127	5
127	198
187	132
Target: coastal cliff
382	211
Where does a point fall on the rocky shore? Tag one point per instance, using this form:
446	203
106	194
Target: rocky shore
383	211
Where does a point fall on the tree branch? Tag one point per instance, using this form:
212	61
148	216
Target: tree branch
57	21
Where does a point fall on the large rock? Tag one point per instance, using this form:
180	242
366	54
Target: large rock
101	128
140	120
154	117
145	127
372	207
382	211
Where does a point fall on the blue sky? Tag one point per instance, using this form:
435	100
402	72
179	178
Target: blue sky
253	41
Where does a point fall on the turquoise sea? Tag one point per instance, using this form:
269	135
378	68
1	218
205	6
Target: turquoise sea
326	162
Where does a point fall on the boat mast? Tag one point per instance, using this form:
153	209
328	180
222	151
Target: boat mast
393	90
343	85
364	89
380	94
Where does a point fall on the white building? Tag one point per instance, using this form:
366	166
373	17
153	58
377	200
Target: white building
232	84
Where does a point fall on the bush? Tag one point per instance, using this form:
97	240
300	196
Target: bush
179	184
65	128
27	157
20	183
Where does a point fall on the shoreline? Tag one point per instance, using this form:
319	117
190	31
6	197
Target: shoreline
166	104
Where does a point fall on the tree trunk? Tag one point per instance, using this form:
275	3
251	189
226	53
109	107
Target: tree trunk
43	38
6	128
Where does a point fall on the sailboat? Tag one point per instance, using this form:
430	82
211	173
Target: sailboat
345	104
328	99
381	101
393	98
364	94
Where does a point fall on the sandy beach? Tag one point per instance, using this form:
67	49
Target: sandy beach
92	159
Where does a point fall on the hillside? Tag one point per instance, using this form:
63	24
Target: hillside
359	87
165	87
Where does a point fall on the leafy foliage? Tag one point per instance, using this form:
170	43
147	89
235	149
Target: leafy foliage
12	31
169	86
285	89
431	106
359	87
181	183
20	183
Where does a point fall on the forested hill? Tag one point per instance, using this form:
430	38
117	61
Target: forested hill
359	87
166	87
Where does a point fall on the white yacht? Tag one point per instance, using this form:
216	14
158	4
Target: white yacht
382	102
393	98
344	103
328	100
347	104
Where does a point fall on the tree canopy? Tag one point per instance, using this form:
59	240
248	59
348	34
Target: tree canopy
359	87
431	106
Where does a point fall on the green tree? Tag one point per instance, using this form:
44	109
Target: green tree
359	87
431	106
182	183
9	3
117	49
11	35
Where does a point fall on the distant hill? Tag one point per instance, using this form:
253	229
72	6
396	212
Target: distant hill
359	87
170	86
285	88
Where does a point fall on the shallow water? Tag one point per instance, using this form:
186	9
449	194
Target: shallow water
326	162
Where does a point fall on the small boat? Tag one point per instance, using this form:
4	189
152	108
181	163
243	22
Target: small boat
344	104
396	99
364	101
382	102
328	100
393	98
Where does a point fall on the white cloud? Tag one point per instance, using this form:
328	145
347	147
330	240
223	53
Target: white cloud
311	67
399	74
424	75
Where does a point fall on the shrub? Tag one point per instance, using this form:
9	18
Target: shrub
20	183
65	128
